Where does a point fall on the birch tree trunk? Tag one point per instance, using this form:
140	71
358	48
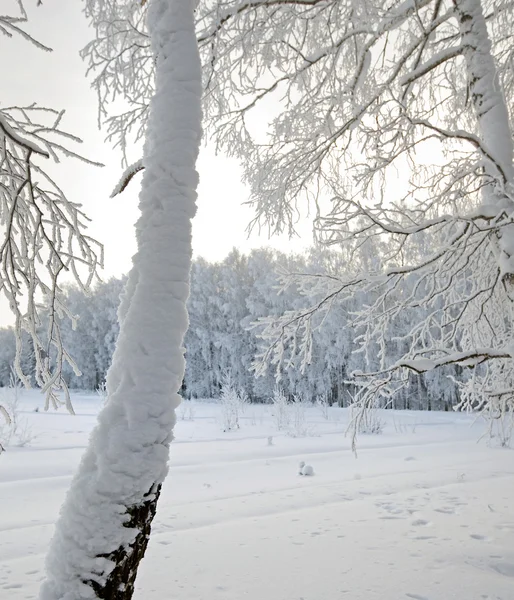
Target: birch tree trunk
104	526
493	122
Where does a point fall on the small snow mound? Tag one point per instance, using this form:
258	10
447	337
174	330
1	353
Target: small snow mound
307	471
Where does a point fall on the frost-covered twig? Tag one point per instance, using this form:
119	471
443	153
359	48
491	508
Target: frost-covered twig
127	176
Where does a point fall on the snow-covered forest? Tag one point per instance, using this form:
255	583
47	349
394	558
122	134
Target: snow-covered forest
226	302
386	126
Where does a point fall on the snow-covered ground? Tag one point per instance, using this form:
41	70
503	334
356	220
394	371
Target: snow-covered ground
425	512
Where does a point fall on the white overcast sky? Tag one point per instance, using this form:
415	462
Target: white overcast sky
57	79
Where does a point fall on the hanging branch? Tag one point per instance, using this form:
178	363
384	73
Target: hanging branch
43	234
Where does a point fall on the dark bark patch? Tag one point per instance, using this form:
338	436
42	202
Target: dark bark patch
120	582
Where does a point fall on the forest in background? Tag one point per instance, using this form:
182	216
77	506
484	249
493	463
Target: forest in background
227	300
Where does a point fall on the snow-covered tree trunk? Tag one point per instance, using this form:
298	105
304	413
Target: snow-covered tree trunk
105	522
493	120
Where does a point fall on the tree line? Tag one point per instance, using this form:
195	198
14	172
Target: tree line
228	299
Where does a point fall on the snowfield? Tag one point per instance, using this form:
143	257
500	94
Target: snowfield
423	513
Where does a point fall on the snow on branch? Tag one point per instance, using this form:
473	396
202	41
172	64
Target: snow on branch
435	61
460	134
13	25
14	136
470	358
127	176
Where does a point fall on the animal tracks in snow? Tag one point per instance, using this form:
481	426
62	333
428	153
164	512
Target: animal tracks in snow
420	523
479	537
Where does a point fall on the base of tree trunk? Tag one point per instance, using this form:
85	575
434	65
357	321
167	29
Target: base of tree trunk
120	582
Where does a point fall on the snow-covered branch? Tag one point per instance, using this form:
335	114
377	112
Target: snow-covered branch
470	358
127	176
